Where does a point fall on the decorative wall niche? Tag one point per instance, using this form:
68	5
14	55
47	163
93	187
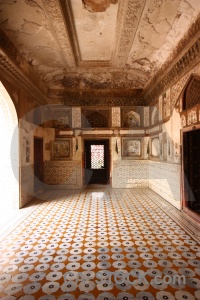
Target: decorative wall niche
132	117
62	118
61	149
131	148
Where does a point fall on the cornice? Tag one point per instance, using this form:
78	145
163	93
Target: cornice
56	18
185	56
78	93
127	25
102	101
9	70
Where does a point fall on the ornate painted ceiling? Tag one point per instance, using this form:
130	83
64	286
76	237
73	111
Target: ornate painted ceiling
103	46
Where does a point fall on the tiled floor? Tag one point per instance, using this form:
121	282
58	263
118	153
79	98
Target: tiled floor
99	244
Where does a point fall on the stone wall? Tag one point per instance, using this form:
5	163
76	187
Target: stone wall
130	174
164	179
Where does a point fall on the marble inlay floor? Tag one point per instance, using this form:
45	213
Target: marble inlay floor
99	244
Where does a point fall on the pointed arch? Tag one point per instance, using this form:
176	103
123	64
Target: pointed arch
9	159
190	93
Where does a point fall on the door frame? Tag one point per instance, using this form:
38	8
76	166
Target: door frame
109	152
42	167
184	204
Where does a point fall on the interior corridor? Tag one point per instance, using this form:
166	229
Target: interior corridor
75	244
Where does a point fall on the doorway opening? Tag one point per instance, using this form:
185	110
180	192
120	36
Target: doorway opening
38	164
9	160
96	161
191	170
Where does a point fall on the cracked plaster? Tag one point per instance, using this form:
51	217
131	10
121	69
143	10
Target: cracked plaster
162	24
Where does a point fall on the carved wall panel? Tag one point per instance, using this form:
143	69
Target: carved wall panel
63	173
183	119
166	104
192	116
76	117
146	116
116	117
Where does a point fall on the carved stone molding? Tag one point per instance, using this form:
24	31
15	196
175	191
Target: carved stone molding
111	101
176	66
9	70
97	97
59	27
126	28
78	93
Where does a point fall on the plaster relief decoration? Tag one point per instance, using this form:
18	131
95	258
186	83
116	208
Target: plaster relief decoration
131	148
76	117
183	120
62	118
26	147
146	116
74	145
155	147
160	103
192	116
61	149
132	118
176	153
116	117
154	115
166	104
26	135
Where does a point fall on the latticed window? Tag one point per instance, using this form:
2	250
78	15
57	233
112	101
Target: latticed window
97	156
95	119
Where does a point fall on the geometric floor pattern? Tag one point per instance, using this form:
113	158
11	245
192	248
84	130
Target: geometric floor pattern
99	244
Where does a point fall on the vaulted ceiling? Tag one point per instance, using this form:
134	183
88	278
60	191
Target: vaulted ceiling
105	46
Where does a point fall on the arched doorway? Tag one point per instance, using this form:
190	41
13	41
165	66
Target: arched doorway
190	112
9	158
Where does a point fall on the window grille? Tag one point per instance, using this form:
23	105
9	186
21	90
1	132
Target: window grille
97	156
